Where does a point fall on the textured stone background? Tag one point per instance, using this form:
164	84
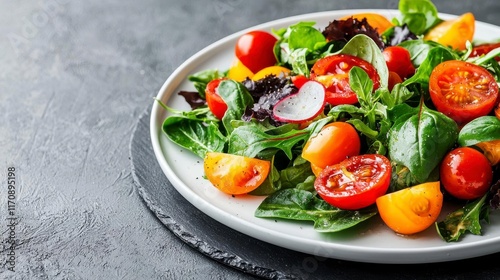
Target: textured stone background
74	78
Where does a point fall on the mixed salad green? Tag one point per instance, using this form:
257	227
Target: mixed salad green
398	120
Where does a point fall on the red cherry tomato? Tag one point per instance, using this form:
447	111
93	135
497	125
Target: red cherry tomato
466	173
483	49
255	50
356	182
463	91
394	79
333	72
398	60
215	103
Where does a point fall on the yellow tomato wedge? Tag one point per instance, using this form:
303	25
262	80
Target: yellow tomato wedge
239	72
454	33
377	21
271	70
233	174
411	210
491	149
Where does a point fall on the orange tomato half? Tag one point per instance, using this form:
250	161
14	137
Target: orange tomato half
454	33
377	21
235	174
411	210
335	142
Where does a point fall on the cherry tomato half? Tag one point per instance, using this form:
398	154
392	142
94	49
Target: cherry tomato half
356	182
255	50
483	49
462	91
235	174
398	60
413	209
215	103
335	142
333	72
465	173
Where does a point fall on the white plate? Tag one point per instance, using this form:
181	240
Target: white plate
371	242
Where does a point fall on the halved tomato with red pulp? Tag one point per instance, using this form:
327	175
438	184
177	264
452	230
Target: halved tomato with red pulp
356	182
463	91
333	72
214	101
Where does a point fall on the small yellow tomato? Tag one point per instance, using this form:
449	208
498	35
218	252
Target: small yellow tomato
454	32
413	209
271	70
233	174
238	71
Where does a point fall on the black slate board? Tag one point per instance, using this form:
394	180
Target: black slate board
260	259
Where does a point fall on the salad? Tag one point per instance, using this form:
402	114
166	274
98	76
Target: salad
367	116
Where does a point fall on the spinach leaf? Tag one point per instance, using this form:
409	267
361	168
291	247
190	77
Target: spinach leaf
462	220
202	78
365	48
294	204
482	129
419	15
299	46
434	57
250	140
237	99
419	141
419	50
195	131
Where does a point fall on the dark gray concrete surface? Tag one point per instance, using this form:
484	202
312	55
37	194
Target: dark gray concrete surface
74	78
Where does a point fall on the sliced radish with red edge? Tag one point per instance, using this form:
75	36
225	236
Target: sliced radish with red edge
303	106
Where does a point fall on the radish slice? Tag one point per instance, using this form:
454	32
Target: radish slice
303	106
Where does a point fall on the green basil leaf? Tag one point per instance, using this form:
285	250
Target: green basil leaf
420	141
294	204
482	129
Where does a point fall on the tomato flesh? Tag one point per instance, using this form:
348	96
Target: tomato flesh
335	142
333	72
255	50
233	174
356	182
483	49
214	101
463	91
466	173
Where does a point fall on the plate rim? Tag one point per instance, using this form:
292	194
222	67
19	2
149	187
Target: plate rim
345	252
